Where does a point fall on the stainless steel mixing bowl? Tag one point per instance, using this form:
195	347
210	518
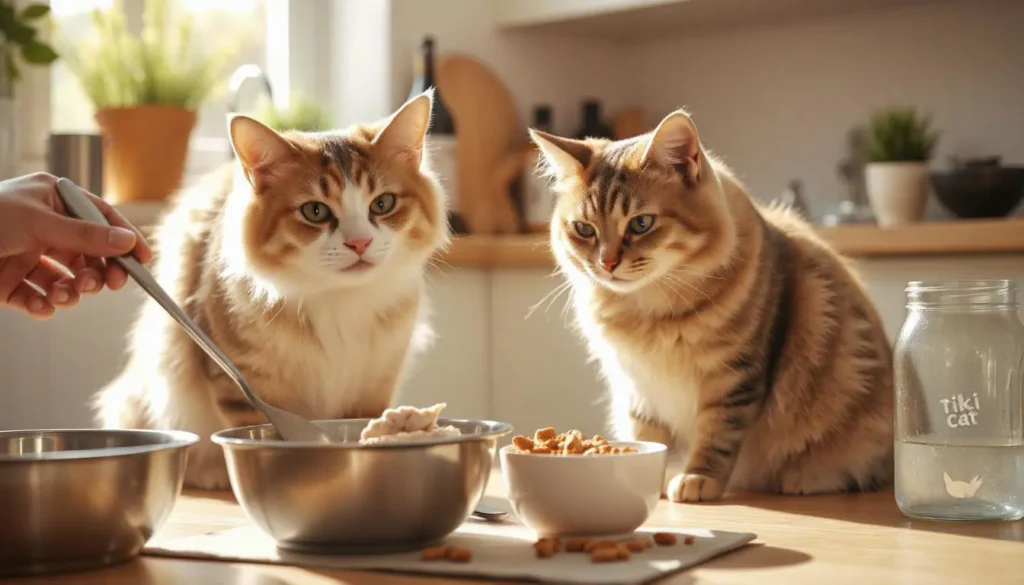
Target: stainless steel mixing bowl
79	499
350	498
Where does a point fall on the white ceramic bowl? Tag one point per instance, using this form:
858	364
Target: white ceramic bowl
592	495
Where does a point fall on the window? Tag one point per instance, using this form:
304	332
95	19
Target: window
214	20
277	34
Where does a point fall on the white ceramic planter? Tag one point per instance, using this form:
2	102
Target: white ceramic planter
897	191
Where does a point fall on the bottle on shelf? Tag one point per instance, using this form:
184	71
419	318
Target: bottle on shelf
593	126
442	135
537	197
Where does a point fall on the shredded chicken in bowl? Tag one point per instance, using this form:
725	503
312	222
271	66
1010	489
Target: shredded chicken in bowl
407	424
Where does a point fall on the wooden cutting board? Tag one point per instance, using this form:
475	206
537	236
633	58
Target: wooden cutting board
489	132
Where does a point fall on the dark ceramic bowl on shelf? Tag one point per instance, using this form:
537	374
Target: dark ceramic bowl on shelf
979	189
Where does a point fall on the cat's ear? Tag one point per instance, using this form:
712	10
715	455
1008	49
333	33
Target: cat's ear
564	157
675	144
404	132
256	145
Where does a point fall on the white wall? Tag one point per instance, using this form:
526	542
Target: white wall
776	101
537	69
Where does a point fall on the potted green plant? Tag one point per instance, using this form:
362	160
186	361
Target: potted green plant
302	114
20	42
900	144
146	90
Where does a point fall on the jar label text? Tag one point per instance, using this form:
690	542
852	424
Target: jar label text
960	411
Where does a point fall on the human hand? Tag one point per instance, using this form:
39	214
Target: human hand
61	256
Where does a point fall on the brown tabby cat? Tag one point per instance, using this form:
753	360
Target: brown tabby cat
727	330
304	261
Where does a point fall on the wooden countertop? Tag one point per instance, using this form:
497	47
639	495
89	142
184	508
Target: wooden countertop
960	237
806	540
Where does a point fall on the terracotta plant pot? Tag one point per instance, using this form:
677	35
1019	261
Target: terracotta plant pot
897	191
144	151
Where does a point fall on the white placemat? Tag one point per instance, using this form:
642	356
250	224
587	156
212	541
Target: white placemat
500	551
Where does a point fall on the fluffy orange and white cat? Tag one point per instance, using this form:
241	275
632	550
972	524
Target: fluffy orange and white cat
725	329
305	262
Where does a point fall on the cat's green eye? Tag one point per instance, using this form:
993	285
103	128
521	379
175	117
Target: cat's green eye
641	224
382	204
316	212
584	229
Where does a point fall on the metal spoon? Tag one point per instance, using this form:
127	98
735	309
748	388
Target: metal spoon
291	427
489	513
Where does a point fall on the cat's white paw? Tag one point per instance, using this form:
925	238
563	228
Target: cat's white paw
693	487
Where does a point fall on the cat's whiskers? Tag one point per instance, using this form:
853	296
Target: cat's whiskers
550	297
680	296
672	278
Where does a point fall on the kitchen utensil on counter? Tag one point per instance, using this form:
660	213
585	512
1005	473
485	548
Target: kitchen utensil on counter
592	124
628	123
238	79
597	495
793	197
79	499
537	195
351	498
79	157
490	513
854	208
488	132
290	426
979	188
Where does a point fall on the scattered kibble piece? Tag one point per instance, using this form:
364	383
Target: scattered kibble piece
577	544
604	554
458	554
596	544
433	553
623	551
689	540
665	538
546	547
547	441
638	545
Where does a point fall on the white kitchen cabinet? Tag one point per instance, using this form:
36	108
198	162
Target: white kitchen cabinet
541	375
49	370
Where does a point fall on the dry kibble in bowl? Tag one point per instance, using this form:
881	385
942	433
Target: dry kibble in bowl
547	441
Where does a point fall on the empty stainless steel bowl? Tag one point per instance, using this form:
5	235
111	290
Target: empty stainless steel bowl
350	498
80	499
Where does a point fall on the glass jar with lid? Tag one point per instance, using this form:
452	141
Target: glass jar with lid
959	441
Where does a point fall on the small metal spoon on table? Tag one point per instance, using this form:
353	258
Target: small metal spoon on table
291	427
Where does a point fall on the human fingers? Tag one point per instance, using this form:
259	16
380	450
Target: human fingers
54	231
90	274
142	250
27	299
13	270
55	281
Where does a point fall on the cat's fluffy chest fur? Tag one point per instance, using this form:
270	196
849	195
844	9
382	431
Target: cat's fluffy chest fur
660	375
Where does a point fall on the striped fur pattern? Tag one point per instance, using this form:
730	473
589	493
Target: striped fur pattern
725	329
262	257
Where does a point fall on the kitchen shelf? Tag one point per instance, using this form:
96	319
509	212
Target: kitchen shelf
642	19
1000	236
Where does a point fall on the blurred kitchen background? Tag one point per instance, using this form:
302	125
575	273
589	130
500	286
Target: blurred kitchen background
897	126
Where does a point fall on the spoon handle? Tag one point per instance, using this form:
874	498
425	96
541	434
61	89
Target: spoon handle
79	205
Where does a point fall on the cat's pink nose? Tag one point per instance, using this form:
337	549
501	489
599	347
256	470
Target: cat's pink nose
358	245
610	263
